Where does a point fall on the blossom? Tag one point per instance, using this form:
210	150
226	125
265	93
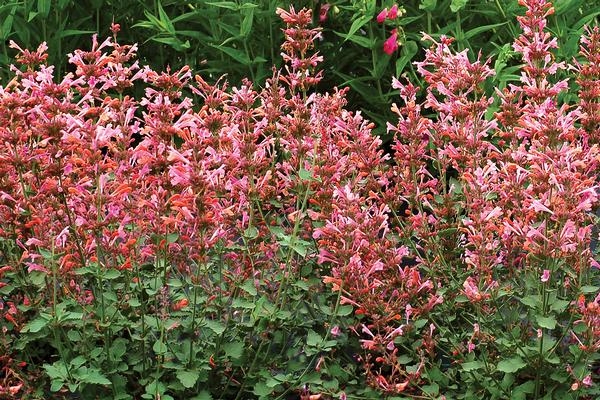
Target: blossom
391	44
381	17
323	11
393	13
545	276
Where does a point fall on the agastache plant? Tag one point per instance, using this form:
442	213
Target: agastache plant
221	241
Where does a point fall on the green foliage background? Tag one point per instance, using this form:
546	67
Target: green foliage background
241	38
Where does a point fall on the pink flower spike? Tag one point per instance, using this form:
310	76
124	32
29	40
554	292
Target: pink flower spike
382	16
545	276
391	44
393	13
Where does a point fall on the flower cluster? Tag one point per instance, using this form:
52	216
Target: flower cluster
391	44
202	214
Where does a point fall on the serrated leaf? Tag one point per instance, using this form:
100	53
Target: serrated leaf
78	361
249	287
234	350
203	395
305	174
531	301
261	389
511	365
35	326
188	378
560	305
251	232
313	338
546	322
299	248
94	377
118	348
432	389
56	385
472	365
215	326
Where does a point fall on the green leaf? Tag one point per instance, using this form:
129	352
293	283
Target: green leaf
249	287
56	385
236	54
112	274
172	237
246	25
230	5
561	6
43	7
313	338
480	29
73	32
164	18
234	350
432	389
215	326
362	41
95	377
546	322
78	361
559	305
299	248
357	24
305	174
35	326
428	5
159	347
188	378
511	365
457	5
344	310
531	301
251	232
407	52
58	370
118	348
472	365
261	389
203	395
590	289
7	25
